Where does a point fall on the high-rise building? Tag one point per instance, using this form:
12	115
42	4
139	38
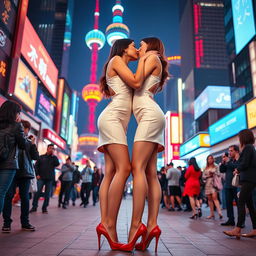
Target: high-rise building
204	59
240	18
52	19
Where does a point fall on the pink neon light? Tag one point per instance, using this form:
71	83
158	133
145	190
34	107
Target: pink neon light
199	50
92	107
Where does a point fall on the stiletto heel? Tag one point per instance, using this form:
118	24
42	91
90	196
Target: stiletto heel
101	230
143	245
157	239
99	235
141	232
194	216
199	212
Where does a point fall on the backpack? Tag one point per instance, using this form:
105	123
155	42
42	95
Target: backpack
4	146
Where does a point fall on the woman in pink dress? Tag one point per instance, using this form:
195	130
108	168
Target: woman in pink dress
192	186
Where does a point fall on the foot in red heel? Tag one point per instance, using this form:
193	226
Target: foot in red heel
101	230
155	232
142	231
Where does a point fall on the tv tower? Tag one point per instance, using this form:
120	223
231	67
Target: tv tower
117	30
95	40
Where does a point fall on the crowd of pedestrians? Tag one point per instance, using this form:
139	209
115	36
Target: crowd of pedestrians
219	186
25	175
215	185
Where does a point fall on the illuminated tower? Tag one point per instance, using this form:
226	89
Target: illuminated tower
95	40
117	30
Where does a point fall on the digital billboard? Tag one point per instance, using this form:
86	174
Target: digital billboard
8	13
45	108
26	86
38	58
244	23
251	113
200	140
216	97
4	68
228	126
65	116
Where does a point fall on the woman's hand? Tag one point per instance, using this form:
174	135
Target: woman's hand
145	56
235	172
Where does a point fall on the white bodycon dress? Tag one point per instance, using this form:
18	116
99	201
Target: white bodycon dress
149	116
114	119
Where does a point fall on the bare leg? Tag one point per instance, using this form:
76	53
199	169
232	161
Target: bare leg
104	187
120	157
142	152
216	202
192	203
178	200
210	202
166	202
154	191
172	201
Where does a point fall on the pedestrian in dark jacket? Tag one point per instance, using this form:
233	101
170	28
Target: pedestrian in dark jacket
228	165
22	180
45	174
75	181
247	171
66	182
95	184
11	140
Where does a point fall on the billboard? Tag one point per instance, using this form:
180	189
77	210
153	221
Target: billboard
4	69
244	23
65	116
228	126
26	86
200	140
8	13
217	97
251	113
38	58
45	108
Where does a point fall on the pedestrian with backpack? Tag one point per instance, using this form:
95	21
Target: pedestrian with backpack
11	140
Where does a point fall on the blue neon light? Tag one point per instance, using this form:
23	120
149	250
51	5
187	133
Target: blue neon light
244	23
228	126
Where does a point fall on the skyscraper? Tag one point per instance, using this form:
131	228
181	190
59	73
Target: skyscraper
204	58
240	18
52	19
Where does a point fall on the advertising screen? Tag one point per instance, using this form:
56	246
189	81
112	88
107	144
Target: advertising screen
216	97
228	126
38	58
8	13
26	86
65	116
45	108
244	23
4	67
200	140
251	113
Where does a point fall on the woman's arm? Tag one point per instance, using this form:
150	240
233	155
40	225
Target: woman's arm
151	63
133	80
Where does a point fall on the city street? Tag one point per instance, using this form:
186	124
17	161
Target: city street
72	232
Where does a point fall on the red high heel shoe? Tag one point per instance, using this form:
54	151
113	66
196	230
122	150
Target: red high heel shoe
142	231
155	232
101	230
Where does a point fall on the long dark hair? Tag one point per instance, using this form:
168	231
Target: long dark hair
116	50
207	164
8	112
246	136
192	161
155	44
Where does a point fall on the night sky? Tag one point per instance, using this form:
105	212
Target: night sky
143	17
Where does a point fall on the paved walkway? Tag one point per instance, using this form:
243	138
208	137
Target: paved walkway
72	232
